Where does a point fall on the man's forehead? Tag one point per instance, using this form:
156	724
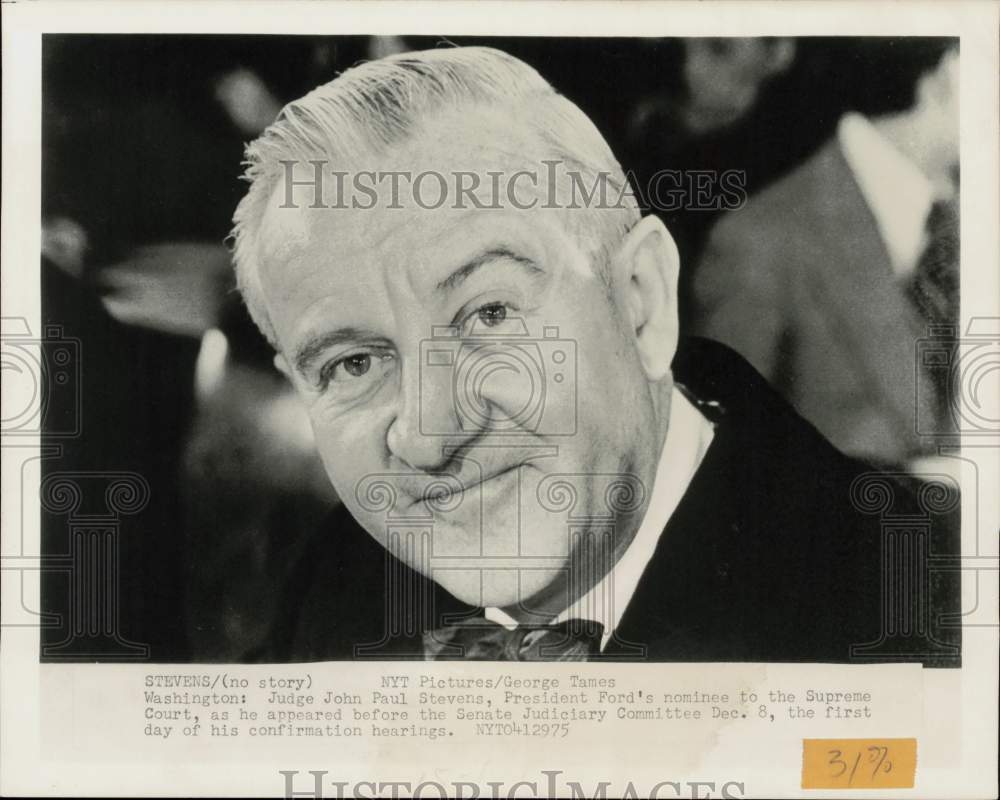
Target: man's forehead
359	236
381	240
284	228
297	219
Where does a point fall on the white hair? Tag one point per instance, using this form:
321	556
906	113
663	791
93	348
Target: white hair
380	104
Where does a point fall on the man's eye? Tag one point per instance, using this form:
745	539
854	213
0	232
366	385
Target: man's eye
357	365
482	320
492	315
349	369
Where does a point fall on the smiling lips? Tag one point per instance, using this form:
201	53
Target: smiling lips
442	492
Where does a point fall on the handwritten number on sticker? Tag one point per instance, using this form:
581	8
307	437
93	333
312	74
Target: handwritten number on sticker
858	763
876	755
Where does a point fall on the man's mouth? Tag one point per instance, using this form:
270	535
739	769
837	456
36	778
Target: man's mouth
443	492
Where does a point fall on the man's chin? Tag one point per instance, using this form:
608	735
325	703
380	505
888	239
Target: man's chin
509	589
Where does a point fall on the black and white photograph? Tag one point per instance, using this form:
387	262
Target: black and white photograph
517	349
364	354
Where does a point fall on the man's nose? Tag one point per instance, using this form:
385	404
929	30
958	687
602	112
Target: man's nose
426	429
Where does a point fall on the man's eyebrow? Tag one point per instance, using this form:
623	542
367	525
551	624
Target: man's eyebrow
306	354
460	274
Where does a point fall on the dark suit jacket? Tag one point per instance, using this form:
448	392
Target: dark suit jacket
767	558
800	283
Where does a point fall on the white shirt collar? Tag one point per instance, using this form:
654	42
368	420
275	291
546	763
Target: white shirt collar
897	192
688	436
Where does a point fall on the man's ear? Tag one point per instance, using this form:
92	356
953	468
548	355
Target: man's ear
647	270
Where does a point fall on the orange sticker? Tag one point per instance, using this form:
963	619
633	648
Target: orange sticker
859	763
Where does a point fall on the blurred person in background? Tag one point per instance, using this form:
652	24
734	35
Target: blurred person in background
719	105
722	79
826	280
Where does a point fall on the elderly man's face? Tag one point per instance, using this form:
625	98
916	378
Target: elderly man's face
467	376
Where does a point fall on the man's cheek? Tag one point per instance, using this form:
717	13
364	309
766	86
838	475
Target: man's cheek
340	461
352	453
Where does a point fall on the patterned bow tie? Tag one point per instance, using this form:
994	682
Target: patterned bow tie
479	639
